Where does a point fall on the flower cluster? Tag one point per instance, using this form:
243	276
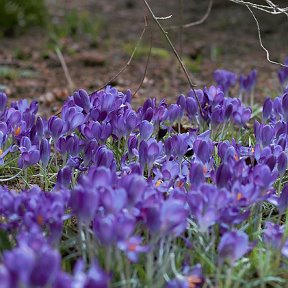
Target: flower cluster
144	188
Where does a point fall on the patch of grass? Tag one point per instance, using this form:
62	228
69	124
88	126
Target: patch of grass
193	66
18	15
12	73
75	23
143	51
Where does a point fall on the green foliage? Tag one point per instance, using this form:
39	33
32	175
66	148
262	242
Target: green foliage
18	15
75	23
143	51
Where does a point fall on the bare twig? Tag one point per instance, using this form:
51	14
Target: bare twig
175	53
164	18
131	57
181	29
71	85
261	42
271	8
202	20
146	66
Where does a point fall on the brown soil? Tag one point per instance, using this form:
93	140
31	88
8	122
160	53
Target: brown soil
228	39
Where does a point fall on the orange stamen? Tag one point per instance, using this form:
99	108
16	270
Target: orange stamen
236	157
1	152
180	184
40	219
193	281
158	183
252	150
239	196
17	131
205	169
132	247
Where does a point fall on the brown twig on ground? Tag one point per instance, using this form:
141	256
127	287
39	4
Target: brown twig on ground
71	84
156	20
131	57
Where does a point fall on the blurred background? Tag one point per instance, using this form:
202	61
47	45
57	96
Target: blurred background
93	39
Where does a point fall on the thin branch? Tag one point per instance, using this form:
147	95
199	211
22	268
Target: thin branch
260	40
130	59
146	66
164	18
65	69
175	53
202	20
271	8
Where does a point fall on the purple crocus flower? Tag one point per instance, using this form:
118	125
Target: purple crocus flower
55	127
73	118
193	278
283	74
223	175
29	153
44	152
32	266
196	174
248	82
64	177
233	245
149	151
81	98
282	163
102	131
132	247
267	109
214	95
273	234
95	276
3	102
285	106
146	130
104	157
203	150
174	113
191	108
225	79
283	200
167	217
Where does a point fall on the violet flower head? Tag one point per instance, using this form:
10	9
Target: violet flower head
196	174
95	276
44	152
3	102
146	130
283	74
193	278
285	106
267	109
248	82
191	108
225	79
283	200
55	127
203	150
223	175
81	99
273	234
132	247
282	163
29	153
233	245
149	151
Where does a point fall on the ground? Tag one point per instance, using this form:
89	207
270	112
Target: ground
30	67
